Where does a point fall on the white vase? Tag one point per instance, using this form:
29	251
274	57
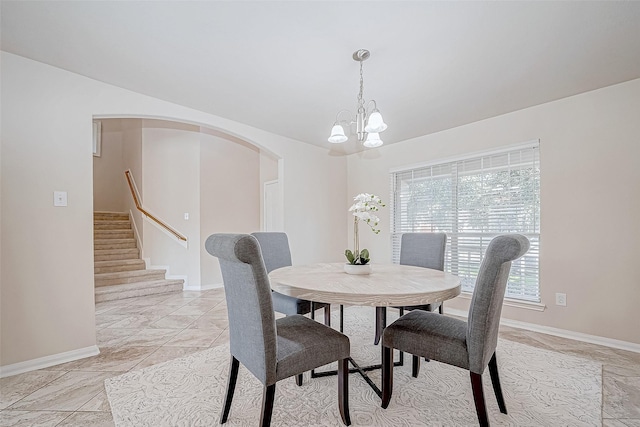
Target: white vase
357	268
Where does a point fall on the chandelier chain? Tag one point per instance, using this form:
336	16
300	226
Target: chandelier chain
360	95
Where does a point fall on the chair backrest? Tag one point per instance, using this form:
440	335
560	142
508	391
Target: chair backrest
423	250
275	249
488	294
252	325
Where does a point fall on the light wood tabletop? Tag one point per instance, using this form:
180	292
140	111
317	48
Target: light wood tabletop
387	285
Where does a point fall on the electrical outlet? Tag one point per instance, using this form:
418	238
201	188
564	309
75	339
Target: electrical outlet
59	198
186	216
561	299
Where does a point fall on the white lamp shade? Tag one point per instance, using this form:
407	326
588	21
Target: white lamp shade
337	135
373	140
375	123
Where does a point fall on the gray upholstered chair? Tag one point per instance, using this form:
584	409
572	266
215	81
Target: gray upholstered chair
270	349
467	344
424	250
276	254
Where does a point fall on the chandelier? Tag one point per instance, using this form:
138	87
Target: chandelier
368	124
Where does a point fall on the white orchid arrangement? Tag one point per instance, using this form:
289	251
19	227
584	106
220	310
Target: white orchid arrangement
364	209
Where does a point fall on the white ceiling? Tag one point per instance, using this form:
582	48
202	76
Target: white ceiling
286	66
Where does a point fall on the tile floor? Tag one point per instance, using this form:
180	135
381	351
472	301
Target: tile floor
143	331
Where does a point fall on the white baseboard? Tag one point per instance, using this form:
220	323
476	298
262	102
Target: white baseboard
48	361
563	333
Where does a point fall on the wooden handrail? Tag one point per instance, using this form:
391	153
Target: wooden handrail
134	193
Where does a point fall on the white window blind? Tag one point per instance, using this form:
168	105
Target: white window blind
473	200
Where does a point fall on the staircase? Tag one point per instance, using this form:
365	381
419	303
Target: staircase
119	271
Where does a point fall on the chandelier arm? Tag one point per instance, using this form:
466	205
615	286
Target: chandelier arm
351	120
375	106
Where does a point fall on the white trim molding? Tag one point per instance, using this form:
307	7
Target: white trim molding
48	361
562	333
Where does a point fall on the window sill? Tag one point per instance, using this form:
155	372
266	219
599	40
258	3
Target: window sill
511	302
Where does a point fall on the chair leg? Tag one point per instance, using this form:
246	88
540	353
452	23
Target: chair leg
343	390
381	323
341	318
415	366
327	315
268	396
495	380
299	380
478	397
231	386
313	311
387	375
441	308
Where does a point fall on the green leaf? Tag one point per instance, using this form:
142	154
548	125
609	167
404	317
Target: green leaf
350	257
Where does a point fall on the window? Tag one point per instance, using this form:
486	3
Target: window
473	200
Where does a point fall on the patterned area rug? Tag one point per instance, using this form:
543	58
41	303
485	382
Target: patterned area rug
541	388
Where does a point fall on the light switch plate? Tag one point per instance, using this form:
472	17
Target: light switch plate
59	198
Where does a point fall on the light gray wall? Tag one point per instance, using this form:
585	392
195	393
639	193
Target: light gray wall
47	301
590	202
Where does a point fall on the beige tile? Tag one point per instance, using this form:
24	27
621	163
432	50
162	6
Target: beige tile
523	338
194	338
149	338
174	322
67	393
206	302
191	310
103	307
158	310
14	388
126	310
107	319
135	321
149	300
621	422
223	339
164	354
116	359
100	403
177	301
622	370
88	419
110	337
209	322
31	418
608	422
621	397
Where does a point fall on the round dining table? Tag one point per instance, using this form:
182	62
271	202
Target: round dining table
387	285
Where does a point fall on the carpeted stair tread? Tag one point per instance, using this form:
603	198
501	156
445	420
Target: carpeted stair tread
101	244
118	265
119	216
112	225
122	277
114	254
113	234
